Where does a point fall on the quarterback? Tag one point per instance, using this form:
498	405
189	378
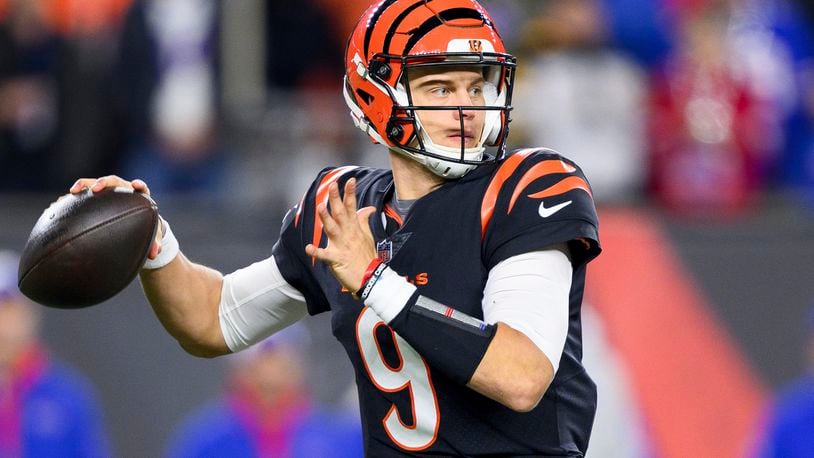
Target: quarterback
454	280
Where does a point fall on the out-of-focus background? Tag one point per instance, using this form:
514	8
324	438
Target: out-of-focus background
693	120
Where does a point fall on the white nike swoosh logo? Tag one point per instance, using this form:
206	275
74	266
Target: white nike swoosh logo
546	212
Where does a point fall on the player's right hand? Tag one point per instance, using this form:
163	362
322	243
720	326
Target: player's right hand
113	181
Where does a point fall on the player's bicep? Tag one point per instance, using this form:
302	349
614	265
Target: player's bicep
530	292
257	301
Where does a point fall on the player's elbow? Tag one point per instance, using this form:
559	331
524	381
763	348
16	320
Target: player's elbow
527	392
203	342
201	350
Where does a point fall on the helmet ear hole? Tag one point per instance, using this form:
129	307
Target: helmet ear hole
364	96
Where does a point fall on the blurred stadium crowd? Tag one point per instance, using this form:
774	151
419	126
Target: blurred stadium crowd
701	108
697	105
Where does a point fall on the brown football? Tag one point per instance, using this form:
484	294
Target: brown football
87	247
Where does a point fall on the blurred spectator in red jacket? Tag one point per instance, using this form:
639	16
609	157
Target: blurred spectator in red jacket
713	135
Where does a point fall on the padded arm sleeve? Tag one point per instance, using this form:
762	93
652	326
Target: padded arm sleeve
256	302
530	293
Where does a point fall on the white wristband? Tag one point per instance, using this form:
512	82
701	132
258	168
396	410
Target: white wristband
389	295
169	249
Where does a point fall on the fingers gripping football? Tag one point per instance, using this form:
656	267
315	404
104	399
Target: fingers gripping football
350	243
110	181
113	181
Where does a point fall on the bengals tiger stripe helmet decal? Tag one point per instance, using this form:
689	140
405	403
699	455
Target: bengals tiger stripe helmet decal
394	36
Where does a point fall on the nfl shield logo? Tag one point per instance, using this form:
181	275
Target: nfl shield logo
385	250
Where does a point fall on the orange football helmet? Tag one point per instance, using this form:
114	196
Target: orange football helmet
394	36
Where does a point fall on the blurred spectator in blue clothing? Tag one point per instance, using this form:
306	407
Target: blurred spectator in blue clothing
789	432
46	408
790	29
642	28
266	411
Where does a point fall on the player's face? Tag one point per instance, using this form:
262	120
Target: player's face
450	86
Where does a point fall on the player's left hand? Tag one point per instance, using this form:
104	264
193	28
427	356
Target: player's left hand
350	246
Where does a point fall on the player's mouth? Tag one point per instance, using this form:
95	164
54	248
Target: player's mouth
455	136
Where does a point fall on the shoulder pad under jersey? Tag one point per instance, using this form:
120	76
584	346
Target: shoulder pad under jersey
535	199
302	225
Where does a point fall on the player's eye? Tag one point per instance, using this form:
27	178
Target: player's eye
440	91
476	92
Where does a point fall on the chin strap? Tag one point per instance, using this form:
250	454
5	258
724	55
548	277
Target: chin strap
444	168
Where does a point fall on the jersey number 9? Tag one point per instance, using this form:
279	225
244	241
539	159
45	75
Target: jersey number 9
412	374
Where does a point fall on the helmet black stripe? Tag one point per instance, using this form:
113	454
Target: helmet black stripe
390	33
373	21
436	21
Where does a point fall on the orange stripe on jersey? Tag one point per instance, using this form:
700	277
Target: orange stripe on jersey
487	207
562	187
299	209
391	212
322	197
539	170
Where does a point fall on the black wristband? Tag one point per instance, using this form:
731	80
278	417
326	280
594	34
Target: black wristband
364	291
452	342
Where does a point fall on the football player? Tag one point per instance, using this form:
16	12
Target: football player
454	280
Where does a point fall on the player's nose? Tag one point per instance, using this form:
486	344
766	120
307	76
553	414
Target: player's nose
467	114
462	98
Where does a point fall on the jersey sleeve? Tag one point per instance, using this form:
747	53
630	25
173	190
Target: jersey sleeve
302	226
289	251
537	199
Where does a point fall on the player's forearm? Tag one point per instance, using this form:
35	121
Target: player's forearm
513	372
513	361
185	298
494	360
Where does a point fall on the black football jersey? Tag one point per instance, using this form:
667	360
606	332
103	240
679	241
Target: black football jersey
446	245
